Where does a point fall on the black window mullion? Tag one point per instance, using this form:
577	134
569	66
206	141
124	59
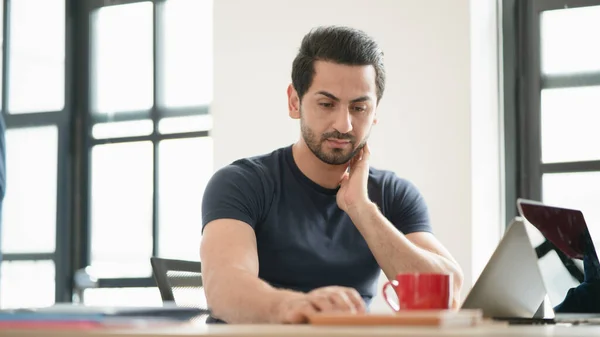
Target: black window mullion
64	232
28	256
80	125
35	119
95	4
571	80
530	113
63	284
512	18
154	138
546	5
571	167
129	282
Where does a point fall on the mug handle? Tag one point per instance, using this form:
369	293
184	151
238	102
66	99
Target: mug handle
393	284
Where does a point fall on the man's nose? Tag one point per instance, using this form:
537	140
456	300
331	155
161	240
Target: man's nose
343	121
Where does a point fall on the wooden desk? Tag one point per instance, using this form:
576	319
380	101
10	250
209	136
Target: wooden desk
312	331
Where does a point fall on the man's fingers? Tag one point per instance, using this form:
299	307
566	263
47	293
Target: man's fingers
299	313
337	299
322	302
342	302
366	152
344	178
356	300
355	161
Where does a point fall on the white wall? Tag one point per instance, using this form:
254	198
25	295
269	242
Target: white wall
487	180
427	129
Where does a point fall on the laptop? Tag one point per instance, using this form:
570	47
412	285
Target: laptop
567	230
512	287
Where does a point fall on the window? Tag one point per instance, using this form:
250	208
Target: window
33	108
37	56
108	144
122	58
27	284
570	109
187	70
560	160
149	151
121	208
185	167
552	110
551	121
32	164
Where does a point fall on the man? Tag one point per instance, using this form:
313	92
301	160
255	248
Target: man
308	227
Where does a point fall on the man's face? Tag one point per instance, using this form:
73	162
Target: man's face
338	110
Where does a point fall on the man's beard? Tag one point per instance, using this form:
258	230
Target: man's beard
336	156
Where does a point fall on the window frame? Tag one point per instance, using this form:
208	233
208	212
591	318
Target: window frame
156	113
523	83
60	119
75	142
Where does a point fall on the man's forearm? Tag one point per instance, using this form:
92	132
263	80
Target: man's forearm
392	250
243	298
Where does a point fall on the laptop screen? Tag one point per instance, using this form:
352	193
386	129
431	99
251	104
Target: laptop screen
566	230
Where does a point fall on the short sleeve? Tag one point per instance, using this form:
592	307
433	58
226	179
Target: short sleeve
408	212
234	192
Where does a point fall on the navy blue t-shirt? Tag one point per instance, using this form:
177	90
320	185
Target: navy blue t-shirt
304	240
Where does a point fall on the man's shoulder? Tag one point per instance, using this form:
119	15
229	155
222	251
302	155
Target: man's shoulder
266	159
242	190
262	166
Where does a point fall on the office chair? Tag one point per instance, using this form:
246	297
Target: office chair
179	282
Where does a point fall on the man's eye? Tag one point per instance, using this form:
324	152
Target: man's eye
326	105
359	108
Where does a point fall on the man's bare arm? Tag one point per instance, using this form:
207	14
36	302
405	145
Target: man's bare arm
234	292
397	253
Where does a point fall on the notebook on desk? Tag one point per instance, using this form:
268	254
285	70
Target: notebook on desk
82	313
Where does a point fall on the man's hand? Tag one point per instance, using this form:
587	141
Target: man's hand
353	186
297	309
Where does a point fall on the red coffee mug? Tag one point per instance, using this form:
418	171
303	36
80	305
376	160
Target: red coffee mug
420	291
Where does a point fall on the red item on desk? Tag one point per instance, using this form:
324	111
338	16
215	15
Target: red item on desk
416	291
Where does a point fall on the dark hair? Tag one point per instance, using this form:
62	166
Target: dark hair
342	45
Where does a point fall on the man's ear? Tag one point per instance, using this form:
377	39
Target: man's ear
375	120
293	102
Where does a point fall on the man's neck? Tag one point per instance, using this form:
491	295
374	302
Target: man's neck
326	175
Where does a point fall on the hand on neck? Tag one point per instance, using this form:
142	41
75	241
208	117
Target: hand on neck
315	169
